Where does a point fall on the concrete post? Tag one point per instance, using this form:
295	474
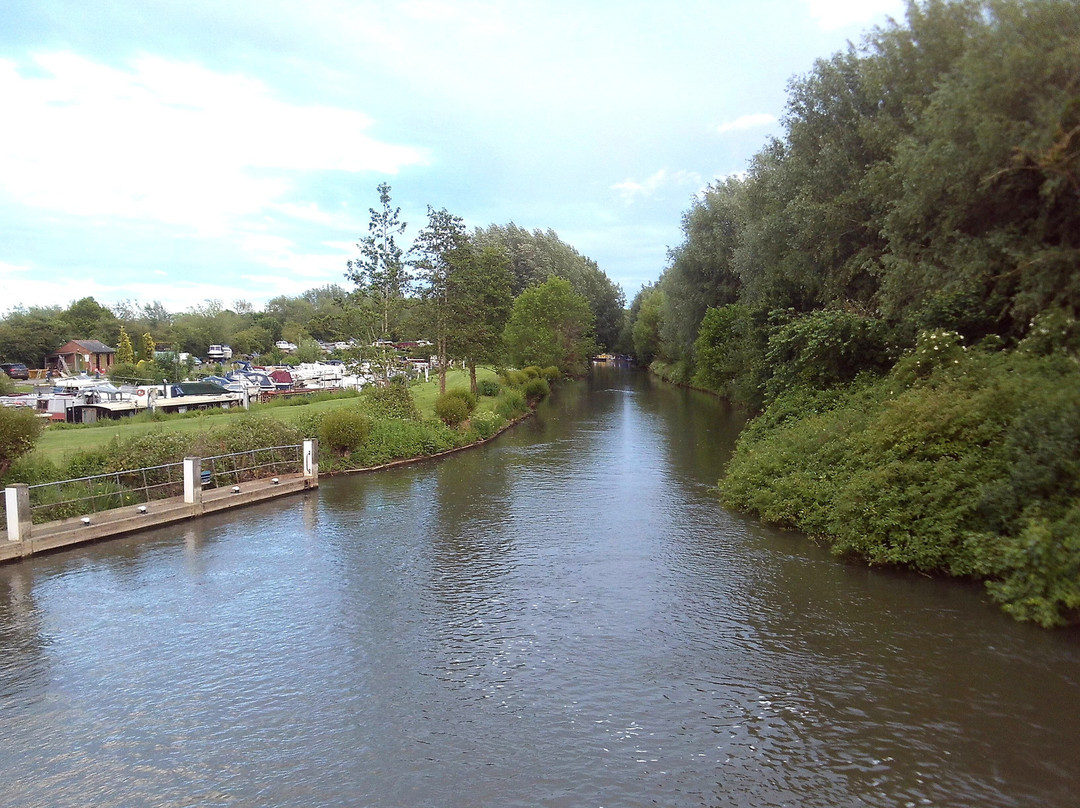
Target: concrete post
17	504
193	480
311	458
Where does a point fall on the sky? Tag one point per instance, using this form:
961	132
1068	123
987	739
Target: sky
186	151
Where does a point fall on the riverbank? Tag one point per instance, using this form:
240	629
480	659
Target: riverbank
959	462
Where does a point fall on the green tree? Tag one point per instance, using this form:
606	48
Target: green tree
551	325
479	307
125	353
380	271
148	347
440	249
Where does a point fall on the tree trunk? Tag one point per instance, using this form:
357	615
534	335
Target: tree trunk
472	376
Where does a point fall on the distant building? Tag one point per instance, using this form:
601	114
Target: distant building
81	356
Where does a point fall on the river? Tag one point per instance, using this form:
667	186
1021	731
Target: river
563	617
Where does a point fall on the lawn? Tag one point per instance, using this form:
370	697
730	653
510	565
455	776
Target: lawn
58	444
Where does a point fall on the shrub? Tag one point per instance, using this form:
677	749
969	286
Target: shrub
536	388
486	424
961	462
344	430
514	378
452	410
511	403
488	387
532	372
466	395
390	401
19	431
551	373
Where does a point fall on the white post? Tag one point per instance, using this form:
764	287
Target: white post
311	458
193	480
17	503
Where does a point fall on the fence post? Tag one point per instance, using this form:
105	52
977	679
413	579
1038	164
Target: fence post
17	503
311	459
193	482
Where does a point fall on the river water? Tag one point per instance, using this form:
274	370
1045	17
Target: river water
563	617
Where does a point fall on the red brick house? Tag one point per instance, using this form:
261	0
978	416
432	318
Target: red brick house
80	355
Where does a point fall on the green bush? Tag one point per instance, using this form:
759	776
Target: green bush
486	424
960	462
390	401
514	378
536	388
452	410
488	387
511	403
344	430
395	439
532	372
551	373
466	395
19	431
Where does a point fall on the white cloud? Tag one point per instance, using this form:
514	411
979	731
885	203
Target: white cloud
741	124
631	190
169	142
833	14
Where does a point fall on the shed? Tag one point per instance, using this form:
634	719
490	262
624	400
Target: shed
81	355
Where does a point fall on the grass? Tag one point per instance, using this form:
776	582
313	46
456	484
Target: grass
59	444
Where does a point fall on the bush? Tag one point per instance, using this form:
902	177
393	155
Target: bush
390	401
486	424
551	373
488	387
452	410
511	403
532	372
344	430
536	388
466	395
514	378
19	431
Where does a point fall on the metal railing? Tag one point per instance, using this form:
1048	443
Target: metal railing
102	492
253	464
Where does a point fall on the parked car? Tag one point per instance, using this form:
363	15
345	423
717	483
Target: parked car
15	370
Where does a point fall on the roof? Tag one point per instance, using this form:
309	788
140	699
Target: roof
89	345
94	346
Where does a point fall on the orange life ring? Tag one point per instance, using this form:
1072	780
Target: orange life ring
142	392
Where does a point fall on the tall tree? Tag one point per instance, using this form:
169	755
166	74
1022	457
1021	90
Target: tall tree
440	249
380	272
480	300
551	325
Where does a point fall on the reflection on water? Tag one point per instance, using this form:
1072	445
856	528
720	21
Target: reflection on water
564	617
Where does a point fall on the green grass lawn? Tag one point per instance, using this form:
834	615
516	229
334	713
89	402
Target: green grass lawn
60	444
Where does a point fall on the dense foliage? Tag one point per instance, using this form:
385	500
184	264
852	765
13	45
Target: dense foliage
894	285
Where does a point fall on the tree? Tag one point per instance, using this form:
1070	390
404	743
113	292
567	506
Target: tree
551	325
380	271
19	430
440	249
148	347
125	353
479	301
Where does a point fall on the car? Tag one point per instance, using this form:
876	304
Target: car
15	370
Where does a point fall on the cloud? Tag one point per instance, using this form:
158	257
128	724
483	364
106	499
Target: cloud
630	190
744	122
833	14
169	142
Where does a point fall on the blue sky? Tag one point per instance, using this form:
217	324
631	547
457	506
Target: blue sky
229	150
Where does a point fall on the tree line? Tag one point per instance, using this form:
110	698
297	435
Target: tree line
458	289
893	289
928	178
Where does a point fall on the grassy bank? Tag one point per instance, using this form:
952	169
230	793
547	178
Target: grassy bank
959	462
356	431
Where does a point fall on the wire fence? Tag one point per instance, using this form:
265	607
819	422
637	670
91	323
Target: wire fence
253	464
102	492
